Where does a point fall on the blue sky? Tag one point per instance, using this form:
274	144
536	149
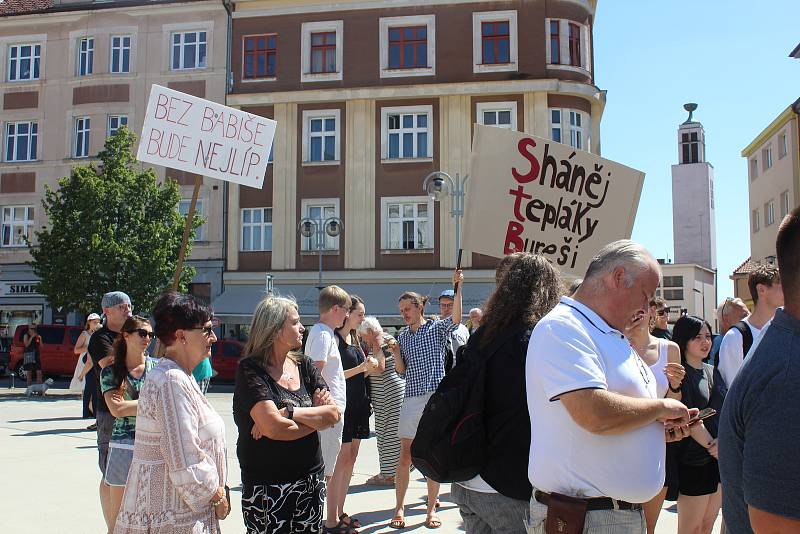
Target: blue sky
731	58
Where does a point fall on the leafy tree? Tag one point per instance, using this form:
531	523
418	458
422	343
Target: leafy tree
111	227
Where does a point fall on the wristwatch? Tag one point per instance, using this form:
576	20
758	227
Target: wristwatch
290	412
674	390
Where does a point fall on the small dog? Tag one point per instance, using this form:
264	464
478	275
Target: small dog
39	389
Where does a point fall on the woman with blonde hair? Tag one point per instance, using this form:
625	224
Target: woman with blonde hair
279	403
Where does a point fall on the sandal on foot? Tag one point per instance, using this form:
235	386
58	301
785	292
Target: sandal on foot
433	522
351	521
340	528
398	521
380	480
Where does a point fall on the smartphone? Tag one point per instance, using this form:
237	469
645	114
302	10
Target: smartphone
704	414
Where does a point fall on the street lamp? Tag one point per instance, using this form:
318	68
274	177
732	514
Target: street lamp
438	185
332	226
703	294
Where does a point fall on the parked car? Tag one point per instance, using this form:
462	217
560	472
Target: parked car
225	355
56	351
5	347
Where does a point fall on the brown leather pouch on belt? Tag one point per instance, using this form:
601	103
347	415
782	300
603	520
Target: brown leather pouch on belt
565	515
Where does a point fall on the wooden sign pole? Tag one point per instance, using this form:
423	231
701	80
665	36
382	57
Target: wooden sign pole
176	279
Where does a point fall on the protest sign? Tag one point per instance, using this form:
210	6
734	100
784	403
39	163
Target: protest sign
199	136
529	194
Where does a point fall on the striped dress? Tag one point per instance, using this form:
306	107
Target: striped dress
386	392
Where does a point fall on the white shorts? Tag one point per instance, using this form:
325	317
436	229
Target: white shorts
410	414
330	440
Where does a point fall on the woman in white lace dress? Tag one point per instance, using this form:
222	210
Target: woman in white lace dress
176	482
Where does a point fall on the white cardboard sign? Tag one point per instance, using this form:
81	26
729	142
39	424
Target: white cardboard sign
199	136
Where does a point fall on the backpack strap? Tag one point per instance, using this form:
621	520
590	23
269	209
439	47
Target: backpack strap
747	336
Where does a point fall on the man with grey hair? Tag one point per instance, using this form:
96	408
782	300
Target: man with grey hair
730	312
117	308
598	427
475	316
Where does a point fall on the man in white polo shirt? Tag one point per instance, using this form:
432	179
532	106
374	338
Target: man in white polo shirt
598	427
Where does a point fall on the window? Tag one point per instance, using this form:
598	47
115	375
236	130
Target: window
188	50
769	213
16	225
784	204
756	222
256	229
673	281
115	122
407	224
673	287
494	36
259	56
408	47
711	192
321	51
320	210
406	133
766	157
571	127
82	127
555	42
753	169
23	62
501	114
690	148
567	44
783	148
574	45
85	56
576	132
21	141
555	125
183	209
321	135
673	294
120	54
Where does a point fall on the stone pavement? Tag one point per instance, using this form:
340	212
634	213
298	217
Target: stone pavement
48	465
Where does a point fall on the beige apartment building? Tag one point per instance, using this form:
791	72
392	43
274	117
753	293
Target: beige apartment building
371	96
73	72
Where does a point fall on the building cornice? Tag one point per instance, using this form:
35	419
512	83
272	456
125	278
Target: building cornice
779	122
355	276
60	16
590	92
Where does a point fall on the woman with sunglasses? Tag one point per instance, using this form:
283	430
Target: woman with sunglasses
176	483
659	319
120	384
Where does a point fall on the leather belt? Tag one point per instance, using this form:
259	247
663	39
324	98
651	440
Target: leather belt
595	503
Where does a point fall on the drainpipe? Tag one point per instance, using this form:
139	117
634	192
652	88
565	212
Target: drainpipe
228	87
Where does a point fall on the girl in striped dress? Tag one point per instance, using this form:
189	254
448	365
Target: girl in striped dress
386	393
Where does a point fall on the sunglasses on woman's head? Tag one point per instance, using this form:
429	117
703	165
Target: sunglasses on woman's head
143	333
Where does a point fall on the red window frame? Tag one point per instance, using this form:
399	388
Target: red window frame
266	52
574	45
555	42
495	39
328	46
417	62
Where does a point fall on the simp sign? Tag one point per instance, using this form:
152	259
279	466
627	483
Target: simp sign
19	289
534	195
199	136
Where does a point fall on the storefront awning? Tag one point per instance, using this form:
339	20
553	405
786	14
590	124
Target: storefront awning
236	304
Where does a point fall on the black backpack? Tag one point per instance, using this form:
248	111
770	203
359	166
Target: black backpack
747	336
450	445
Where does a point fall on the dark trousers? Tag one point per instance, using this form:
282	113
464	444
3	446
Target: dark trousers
89	396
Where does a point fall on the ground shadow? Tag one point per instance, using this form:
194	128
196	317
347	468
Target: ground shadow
46	398
47	420
55	431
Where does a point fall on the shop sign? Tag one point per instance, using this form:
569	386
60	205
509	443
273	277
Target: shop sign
19	289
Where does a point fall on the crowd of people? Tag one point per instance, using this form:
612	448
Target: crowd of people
595	413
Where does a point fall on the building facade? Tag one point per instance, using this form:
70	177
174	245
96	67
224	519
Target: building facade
74	72
370	97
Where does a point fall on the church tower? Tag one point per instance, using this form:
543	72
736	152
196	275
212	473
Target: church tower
693	218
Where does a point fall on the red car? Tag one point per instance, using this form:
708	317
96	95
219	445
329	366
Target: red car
225	355
55	353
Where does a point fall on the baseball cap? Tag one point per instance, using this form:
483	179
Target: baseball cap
114	298
447	293
92	317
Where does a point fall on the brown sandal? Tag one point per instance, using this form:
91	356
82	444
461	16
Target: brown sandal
398	521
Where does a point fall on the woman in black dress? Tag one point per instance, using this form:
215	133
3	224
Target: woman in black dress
356	416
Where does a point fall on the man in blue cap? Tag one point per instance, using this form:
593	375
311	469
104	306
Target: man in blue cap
459	336
117	308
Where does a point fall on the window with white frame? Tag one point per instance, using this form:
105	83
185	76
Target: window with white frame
120	61
17	225
320	210
407	46
183	209
769	213
24	61
82	128
567	44
321	51
756	221
189	50
494	41
500	114
406	223
321	135
784	204
783	147
766	157
115	122
85	62
21	141
572	127
753	169
256	230
406	132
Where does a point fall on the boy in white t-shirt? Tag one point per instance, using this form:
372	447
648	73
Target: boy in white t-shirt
323	349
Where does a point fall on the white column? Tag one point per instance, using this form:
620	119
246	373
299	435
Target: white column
284	188
359	176
455	142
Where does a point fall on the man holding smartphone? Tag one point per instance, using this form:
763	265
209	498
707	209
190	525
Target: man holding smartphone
598	427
